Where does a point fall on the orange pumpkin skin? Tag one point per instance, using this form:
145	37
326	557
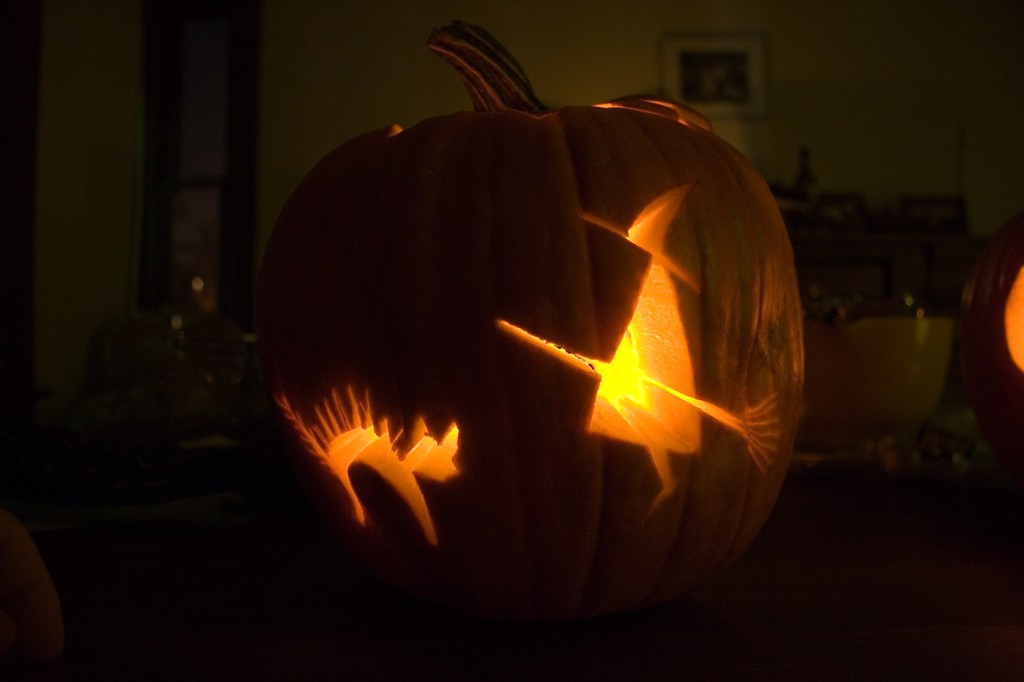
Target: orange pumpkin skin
387	281
993	380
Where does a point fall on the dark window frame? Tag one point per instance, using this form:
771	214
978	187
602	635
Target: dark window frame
162	29
20	44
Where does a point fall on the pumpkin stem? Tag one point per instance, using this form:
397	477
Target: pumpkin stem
492	76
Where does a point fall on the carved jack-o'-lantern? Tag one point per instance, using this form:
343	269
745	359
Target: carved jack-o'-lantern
532	363
992	343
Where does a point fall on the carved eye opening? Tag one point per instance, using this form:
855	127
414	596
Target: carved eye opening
1013	320
646	393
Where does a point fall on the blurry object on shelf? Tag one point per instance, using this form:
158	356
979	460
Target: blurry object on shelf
935	446
794	209
834	211
796	201
823	305
869	377
933	214
951	446
806	182
884	220
878	267
173	410
169	375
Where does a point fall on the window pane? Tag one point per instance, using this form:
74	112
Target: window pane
195	248
204	96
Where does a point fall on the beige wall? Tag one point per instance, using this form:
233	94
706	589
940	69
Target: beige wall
877	89
90	86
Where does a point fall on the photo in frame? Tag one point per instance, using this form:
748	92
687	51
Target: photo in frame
721	76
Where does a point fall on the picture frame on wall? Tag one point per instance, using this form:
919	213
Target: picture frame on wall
721	76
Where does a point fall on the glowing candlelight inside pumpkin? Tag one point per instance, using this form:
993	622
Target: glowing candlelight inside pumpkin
1013	320
647	389
343	434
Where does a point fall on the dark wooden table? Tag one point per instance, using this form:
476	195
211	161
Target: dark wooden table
856	576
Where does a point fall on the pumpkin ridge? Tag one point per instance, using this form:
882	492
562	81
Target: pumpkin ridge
748	231
654	593
519	522
714	562
712	429
764	320
749	289
526	523
592	543
674	167
993	380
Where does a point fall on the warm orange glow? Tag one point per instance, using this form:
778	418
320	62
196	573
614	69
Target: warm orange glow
342	434
646	393
1013	321
622	378
663	107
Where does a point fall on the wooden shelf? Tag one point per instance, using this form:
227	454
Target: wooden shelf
933	267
